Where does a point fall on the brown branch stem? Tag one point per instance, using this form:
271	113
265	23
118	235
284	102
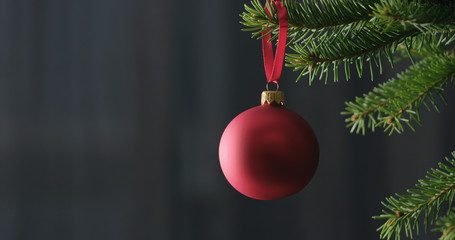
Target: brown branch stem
368	111
403	214
421	95
340	22
397	17
363	52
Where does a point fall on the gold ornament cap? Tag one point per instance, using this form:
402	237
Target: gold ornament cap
272	97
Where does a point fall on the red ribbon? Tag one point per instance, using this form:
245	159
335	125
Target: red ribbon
273	66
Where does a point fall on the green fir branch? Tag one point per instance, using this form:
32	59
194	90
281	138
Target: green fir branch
425	45
308	17
397	102
328	34
317	58
427	16
404	212
446	226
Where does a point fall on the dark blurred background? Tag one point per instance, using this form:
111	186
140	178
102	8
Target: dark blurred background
110	117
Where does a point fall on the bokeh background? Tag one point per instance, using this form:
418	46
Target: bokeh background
110	117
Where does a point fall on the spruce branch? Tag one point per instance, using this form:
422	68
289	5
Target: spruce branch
404	212
316	57
425	45
307	17
327	34
398	101
446	226
426	16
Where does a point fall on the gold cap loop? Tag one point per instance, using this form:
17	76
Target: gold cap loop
277	86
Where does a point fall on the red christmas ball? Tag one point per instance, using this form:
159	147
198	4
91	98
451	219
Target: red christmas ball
268	152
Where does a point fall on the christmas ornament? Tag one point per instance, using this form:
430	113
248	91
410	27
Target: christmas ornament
269	152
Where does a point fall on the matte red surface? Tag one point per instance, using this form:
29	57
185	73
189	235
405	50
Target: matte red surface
268	152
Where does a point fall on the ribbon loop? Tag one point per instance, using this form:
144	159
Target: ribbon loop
274	65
